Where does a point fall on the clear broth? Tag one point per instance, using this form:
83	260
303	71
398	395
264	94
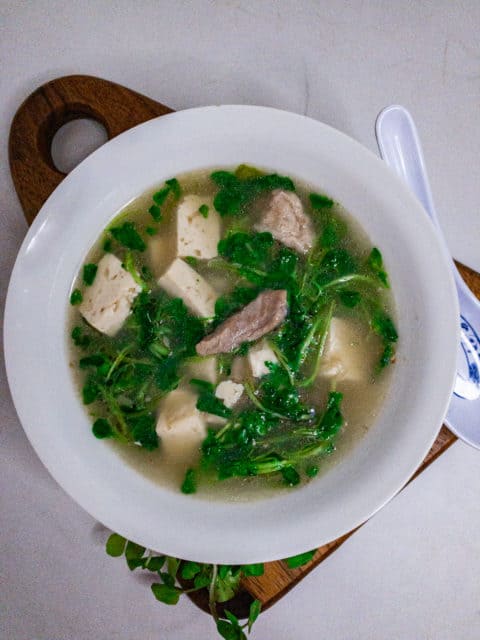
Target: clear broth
362	400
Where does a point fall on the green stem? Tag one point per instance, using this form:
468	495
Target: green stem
311	378
211	593
123	433
283	361
349	278
117	361
251	394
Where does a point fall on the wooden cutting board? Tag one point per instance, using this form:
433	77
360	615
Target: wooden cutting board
35	177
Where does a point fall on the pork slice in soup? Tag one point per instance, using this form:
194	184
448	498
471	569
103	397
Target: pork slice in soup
234	326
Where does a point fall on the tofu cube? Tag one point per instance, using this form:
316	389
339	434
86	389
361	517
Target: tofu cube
229	392
258	355
108	301
345	356
181	281
180	425
203	368
196	235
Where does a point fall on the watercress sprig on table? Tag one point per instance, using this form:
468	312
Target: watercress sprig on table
176	577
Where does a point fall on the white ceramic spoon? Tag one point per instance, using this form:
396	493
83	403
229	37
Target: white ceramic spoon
400	147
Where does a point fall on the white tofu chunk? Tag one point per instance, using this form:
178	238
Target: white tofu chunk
181	281
229	392
345	356
258	355
196	235
180	425
108	301
203	368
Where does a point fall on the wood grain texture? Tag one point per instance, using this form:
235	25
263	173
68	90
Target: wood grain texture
35	177
50	107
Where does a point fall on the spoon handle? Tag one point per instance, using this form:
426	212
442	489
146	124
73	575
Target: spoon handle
400	147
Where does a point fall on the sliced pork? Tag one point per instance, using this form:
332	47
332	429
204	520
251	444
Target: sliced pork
284	217
256	319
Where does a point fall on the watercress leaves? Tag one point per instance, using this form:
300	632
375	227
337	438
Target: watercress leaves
80	339
375	263
237	191
173	187
166	594
115	545
189	484
254	612
89	273
297	561
126	235
76	297
320	201
222	581
102	428
203	210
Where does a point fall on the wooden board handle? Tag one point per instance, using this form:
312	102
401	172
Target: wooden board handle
49	108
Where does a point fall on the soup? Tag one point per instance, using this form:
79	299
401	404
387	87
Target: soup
232	329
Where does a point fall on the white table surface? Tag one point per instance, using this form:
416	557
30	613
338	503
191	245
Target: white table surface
413	572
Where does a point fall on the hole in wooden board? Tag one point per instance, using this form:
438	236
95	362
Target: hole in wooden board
75	141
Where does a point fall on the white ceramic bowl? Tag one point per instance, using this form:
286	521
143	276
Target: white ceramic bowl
37	356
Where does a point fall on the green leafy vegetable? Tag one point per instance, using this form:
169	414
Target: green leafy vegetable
375	262
383	326
190	570
160	196
300	560
227	583
263	441
115	545
107	246
134	555
127	236
229	303
350	298
290	476
208	402
253	569
230	629
150	231
319	201
165	593
155	212
203	385
245	172
102	428
236	193
90	391
79	338
312	471
129	265
203	209
143	431
222	581
387	355
189	484
255	609
76	297
89	273
174	187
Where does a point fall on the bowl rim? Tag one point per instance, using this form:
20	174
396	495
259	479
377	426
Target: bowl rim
235	547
